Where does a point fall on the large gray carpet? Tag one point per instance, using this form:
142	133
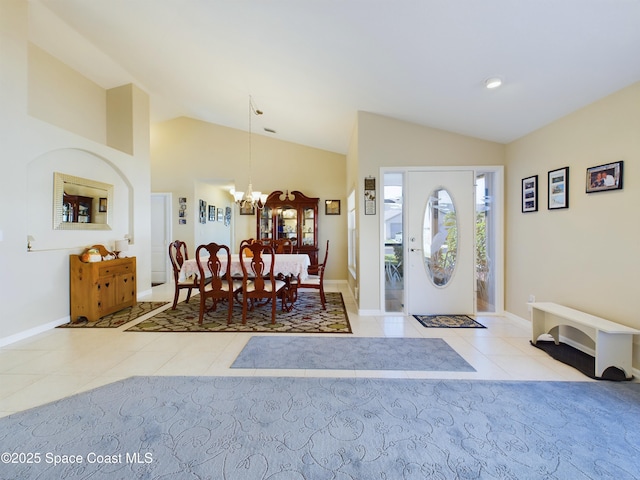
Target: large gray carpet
353	353
325	428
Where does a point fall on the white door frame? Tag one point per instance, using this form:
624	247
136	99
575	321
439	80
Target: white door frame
498	228
168	230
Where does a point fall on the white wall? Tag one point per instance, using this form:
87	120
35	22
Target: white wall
35	285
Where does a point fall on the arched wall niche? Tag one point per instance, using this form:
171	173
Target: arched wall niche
41	208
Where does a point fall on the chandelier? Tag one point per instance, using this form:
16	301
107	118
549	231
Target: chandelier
250	199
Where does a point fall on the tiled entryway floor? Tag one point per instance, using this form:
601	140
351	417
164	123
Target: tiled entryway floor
64	361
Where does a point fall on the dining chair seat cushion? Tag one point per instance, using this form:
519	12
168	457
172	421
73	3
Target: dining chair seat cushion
267	285
193	280
310	280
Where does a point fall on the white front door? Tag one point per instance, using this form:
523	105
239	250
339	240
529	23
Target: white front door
160	213
440	242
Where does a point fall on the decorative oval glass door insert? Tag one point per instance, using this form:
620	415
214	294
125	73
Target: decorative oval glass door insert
440	237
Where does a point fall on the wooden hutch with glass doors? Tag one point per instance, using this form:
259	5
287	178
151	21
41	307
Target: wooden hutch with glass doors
293	216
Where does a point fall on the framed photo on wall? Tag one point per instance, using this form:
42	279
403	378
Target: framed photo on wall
220	215
203	211
530	194
604	177
247	210
332	207
558	189
212	213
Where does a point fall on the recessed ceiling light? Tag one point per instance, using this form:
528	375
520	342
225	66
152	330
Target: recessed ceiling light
493	82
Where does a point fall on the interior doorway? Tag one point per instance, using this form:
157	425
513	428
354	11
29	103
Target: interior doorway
160	237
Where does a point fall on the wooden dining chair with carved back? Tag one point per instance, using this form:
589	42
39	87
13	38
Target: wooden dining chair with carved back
178	253
258	280
283	245
221	286
315	279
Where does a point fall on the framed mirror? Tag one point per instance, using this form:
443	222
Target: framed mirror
81	204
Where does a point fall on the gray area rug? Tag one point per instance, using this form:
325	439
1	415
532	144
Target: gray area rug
241	428
428	354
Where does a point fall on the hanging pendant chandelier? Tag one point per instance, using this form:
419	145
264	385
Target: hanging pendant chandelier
250	199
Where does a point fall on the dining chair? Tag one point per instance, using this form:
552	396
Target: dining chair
178	253
283	245
315	279
247	241
220	285
258	280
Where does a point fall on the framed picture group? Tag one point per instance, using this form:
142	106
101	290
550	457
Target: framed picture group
599	179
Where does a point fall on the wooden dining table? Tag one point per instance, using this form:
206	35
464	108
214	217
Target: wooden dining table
286	264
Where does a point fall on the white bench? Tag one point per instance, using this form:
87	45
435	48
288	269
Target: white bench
614	342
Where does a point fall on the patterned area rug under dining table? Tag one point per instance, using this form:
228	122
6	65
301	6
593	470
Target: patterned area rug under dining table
119	318
307	316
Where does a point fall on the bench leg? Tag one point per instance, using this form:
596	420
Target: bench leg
540	326
613	350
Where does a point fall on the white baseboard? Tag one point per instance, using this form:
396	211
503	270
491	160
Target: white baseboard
33	331
143	294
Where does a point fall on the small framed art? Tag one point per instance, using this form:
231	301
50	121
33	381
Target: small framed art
604	177
220	215
530	194
212	213
102	205
558	189
203	211
247	210
332	207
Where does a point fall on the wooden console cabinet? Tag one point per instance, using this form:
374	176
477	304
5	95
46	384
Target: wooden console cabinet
101	288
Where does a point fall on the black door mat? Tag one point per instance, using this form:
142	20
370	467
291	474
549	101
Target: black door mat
579	360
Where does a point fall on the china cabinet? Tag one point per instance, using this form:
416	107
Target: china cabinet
293	216
76	208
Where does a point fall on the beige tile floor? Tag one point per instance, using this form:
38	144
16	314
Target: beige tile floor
62	362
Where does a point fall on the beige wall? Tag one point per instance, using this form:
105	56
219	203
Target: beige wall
187	152
386	142
586	256
59	96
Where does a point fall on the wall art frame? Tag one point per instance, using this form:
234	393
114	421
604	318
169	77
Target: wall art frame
604	177
558	189
247	210
203	211
332	207
530	194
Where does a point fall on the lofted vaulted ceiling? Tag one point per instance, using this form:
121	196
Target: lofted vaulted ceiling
310	65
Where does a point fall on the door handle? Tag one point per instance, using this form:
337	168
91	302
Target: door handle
416	249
